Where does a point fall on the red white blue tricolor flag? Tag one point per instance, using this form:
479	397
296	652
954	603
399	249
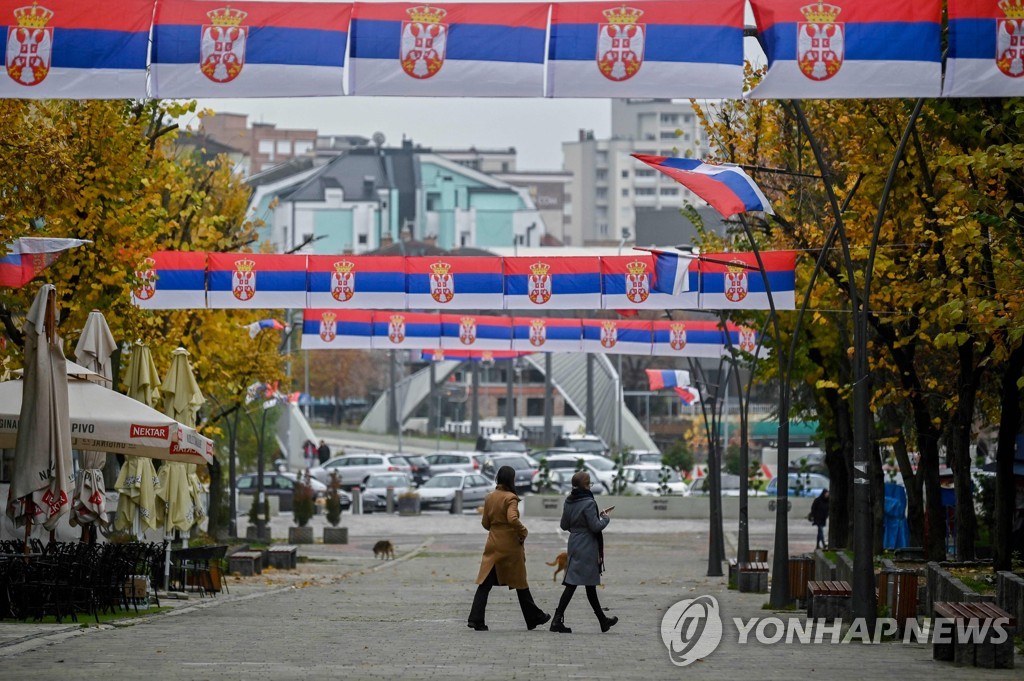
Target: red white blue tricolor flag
454	50
986	49
546	334
69	49
356	281
171	280
256	327
617	336
726	188
399	330
28	256
664	48
454	282
213	48
476	332
256	280
688	394
628	282
849	48
337	329
559	283
469	355
667	378
733	281
682	338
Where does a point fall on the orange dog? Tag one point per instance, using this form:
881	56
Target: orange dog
561	561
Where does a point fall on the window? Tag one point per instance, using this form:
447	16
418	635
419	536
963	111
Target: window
668	134
601	174
644	191
601	192
645	172
669	118
284	147
669	191
625	173
362	239
625	192
303	147
266	146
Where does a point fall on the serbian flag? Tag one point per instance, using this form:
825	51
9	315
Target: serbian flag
628	283
687	338
69	49
401	330
465	282
336	329
867	48
744	338
356	281
667	378
257	280
617	336
675	273
28	256
171	280
726	188
558	282
688	394
477	332
986	49
665	48
733	281
256	327
469	355
448	49
211	48
546	334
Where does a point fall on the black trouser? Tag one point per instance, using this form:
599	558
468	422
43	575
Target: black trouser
531	613
567	595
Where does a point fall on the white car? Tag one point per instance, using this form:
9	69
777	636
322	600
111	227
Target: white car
730	487
648	480
439	491
599	467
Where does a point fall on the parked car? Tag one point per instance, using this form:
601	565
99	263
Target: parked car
730	487
800	485
585	444
419	468
354	468
500	442
634	458
375	489
452	462
524	466
439	491
282	485
560	481
651	480
600	468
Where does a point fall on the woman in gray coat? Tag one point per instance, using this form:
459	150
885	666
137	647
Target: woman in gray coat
584	523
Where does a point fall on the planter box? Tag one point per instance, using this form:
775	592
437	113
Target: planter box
408	505
250	533
670	507
335	535
300	535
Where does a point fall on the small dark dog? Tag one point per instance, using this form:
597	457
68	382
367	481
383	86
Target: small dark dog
561	560
384	550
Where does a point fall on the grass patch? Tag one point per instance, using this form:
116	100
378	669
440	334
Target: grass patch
980	580
85	620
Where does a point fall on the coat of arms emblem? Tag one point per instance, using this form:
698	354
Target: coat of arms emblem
328	331
748	339
638	284
222	46
609	334
540	283
30	45
343	281
538	332
146	275
677	336
1010	38
396	328
442	283
243	280
424	37
467	330
736	283
620	43
820	41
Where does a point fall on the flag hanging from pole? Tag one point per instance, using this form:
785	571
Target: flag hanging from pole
726	188
28	256
256	327
667	378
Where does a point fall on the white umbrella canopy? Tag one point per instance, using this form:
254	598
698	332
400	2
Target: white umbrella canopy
43	475
180	489
137	480
95	346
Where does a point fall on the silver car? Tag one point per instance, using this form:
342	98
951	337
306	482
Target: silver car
354	468
375	489
454	462
439	491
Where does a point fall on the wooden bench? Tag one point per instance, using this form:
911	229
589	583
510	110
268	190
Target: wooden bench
964	633
897	593
283	557
828	600
752	577
246	563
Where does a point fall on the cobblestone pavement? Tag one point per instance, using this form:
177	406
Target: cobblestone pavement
345	614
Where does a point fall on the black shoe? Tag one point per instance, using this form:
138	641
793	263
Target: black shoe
608	622
539	621
559	626
477	626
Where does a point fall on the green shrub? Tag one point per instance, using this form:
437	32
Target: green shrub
303	505
333	506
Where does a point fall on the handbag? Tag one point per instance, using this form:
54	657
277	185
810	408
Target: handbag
810	517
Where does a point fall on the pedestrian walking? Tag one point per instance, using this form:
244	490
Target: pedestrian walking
819	516
323	452
504	559
585	525
309	453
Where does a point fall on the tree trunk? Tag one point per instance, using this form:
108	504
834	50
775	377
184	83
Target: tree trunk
1009	427
915	497
960	455
877	497
214	516
839	459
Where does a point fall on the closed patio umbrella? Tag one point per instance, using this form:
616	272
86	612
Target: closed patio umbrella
180	489
95	346
41	485
137	482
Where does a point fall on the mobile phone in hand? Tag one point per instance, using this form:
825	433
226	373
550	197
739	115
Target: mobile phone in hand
610	508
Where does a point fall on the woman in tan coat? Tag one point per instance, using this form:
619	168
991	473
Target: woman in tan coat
504	559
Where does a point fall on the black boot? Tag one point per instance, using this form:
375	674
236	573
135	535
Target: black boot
533	615
606	622
557	624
